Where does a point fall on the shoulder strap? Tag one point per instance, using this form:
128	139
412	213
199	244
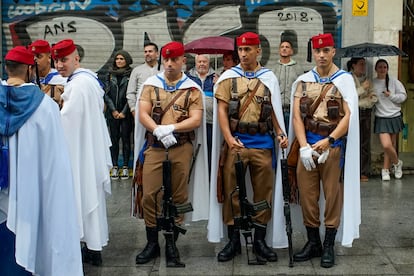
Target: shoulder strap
247	102
320	98
173	100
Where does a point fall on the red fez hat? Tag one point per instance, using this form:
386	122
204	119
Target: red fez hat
20	54
322	40
40	46
172	50
63	48
248	38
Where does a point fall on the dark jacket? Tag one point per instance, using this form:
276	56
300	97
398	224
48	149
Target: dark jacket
115	94
208	83
116	87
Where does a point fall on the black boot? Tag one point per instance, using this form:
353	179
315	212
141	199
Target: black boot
259	245
172	255
152	249
233	247
313	248
328	255
91	256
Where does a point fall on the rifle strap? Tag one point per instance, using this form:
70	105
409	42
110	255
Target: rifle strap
157	94
247	102
316	103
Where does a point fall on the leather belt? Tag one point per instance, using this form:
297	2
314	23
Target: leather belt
321	128
252	128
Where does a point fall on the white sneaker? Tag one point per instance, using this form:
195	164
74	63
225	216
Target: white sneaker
125	173
114	172
385	173
398	173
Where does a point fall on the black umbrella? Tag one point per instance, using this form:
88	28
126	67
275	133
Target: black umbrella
369	50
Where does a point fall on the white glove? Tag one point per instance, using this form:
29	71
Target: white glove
306	157
168	141
163	130
322	158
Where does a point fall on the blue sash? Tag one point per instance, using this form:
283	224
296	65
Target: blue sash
258	141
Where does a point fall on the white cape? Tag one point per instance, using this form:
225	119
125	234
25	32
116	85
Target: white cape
42	210
351	211
88	138
198	187
276	235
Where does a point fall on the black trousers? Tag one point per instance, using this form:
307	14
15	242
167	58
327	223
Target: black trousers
120	129
365	140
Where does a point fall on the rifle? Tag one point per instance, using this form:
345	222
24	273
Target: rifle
286	204
37	74
166	221
244	222
193	161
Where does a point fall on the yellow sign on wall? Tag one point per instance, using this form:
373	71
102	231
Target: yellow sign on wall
360	7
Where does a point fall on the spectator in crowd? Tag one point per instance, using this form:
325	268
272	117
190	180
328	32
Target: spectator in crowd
366	100
39	233
47	77
388	117
87	135
230	60
287	71
117	113
205	77
141	73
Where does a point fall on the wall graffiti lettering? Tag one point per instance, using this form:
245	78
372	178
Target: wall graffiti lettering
287	16
39	8
60	28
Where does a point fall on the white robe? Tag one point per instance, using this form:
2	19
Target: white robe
276	227
351	211
42	206
197	190
88	138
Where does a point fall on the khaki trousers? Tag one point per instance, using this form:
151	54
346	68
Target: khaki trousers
262	179
180	158
309	190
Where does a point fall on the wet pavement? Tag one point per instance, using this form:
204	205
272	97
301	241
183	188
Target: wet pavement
385	246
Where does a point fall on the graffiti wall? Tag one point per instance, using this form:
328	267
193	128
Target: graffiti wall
101	27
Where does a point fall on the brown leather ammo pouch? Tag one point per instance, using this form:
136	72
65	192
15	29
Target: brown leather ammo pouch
265	119
305	104
333	106
157	110
333	109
